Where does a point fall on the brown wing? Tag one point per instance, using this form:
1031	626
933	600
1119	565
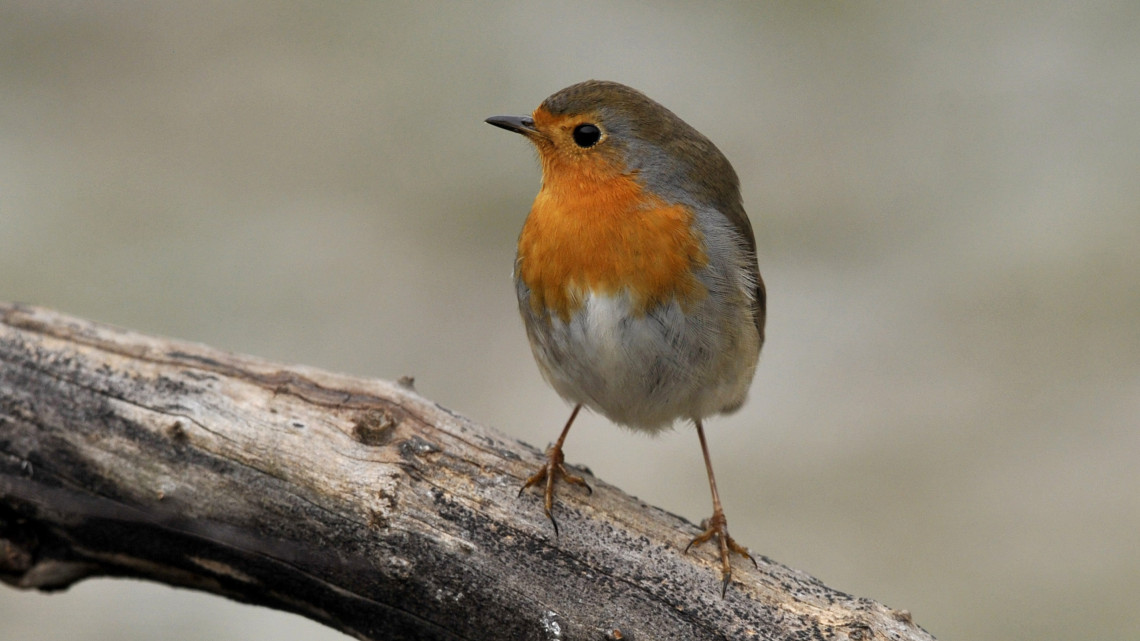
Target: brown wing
735	214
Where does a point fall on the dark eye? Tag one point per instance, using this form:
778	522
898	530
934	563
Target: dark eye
586	135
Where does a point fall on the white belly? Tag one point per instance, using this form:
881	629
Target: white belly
648	370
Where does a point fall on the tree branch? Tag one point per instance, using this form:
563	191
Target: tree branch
356	503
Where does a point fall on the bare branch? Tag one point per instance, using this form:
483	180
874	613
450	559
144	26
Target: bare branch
357	503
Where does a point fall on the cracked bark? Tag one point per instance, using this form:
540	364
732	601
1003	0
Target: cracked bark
356	503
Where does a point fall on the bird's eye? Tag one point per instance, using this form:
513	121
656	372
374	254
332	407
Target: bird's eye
586	135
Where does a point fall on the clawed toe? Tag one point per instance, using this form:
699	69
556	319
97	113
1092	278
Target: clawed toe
551	470
717	526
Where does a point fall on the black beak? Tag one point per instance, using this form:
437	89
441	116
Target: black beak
519	124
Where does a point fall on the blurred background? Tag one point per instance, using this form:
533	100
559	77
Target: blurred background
947	205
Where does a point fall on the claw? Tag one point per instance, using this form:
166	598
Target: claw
717	526
554	467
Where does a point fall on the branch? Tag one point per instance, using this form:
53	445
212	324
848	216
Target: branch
356	503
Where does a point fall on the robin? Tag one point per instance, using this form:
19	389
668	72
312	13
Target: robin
636	273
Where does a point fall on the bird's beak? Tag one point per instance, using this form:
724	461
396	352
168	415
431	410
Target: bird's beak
519	124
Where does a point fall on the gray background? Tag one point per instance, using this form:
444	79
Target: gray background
946	201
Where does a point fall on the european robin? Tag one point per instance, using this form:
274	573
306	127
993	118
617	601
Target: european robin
636	273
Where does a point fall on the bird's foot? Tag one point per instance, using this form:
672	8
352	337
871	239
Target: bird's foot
717	526
553	468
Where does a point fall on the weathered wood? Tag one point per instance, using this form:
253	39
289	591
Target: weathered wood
357	503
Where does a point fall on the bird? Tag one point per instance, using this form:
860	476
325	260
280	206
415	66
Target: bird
637	275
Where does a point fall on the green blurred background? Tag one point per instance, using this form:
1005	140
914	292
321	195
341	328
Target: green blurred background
947	205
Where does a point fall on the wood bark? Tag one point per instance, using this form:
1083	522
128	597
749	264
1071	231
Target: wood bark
357	503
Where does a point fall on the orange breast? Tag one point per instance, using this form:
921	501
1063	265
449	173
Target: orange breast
593	230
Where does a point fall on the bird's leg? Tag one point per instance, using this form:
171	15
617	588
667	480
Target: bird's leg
717	525
553	468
